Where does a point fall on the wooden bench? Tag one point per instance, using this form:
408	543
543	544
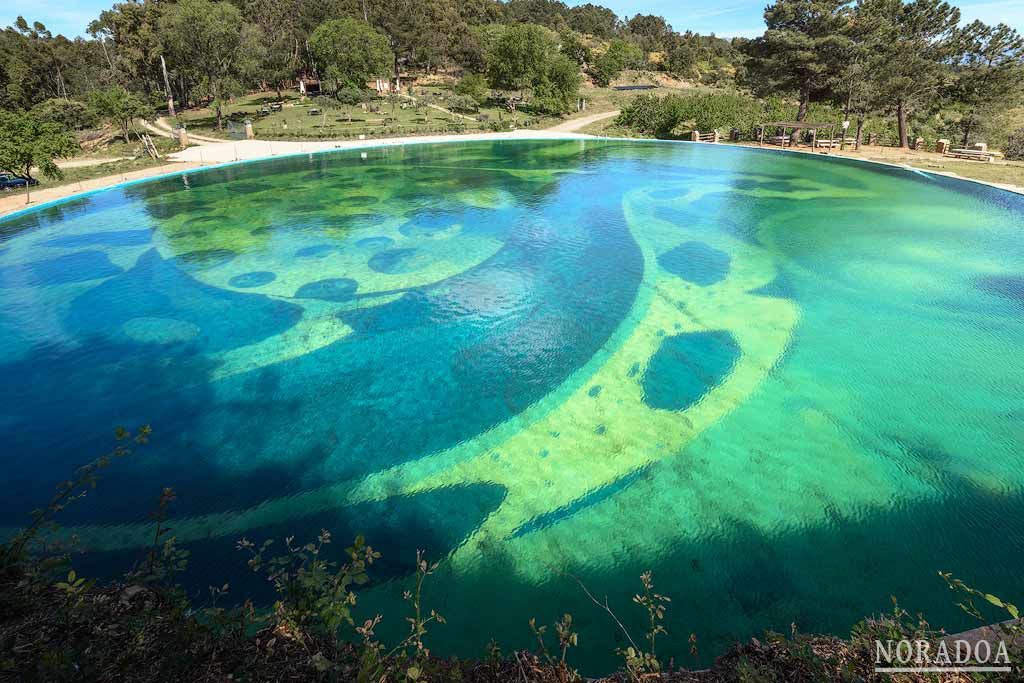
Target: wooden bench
974	154
833	142
697	136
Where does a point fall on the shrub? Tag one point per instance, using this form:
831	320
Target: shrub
70	114
463	103
1014	147
473	86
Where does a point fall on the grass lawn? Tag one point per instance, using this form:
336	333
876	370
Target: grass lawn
384	117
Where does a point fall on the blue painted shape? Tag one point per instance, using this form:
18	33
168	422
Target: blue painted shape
78	267
686	367
257	278
590	499
430	223
155	288
696	262
390	261
378	242
113	238
316	251
331	289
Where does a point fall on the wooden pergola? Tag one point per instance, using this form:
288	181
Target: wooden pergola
798	125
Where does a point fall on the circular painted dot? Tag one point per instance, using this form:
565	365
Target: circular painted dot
146	330
257	278
391	261
316	251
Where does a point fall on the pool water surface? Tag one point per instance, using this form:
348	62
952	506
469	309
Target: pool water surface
790	386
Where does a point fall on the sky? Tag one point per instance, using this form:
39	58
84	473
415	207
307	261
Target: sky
726	18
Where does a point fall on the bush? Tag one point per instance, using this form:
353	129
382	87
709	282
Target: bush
473	86
1014	147
463	103
70	114
353	96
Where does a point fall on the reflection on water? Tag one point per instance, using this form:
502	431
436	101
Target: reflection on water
789	386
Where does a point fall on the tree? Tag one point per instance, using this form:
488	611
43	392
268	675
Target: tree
548	13
203	40
120	108
27	143
473	86
912	50
682	61
593	19
990	75
651	32
526	57
574	48
278	42
555	89
129	37
70	114
620	55
517	57
350	53
800	50
1014	148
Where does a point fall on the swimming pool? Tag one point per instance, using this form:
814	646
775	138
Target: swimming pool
790	386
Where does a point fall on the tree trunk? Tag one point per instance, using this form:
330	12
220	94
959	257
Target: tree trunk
967	133
801	115
860	127
901	124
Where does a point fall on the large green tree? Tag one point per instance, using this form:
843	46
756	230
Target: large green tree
912	49
620	55
27	143
120	108
350	53
989	76
651	32
129	36
525	57
593	19
203	39
801	50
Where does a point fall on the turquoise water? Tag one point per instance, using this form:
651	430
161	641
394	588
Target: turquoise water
790	386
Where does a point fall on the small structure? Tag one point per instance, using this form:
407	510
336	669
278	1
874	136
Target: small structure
697	136
976	152
309	87
785	140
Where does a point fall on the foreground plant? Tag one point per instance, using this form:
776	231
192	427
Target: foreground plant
34	538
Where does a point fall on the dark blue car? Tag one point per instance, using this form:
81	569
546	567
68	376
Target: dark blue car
10	182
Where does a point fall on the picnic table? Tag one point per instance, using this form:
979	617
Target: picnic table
975	154
833	142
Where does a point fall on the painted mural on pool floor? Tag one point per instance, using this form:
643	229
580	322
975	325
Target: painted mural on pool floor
762	376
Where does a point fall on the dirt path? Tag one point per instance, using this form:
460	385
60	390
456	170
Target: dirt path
573	125
161	127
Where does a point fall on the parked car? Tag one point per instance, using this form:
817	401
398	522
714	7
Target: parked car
10	182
